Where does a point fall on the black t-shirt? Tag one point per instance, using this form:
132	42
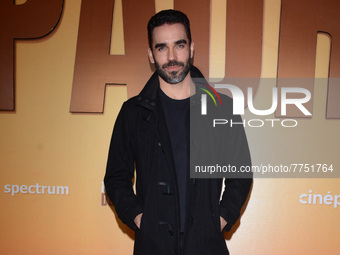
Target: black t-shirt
177	120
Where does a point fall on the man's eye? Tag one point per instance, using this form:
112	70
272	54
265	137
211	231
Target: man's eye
161	48
180	46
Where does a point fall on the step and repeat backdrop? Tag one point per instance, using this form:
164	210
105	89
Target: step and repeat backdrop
66	67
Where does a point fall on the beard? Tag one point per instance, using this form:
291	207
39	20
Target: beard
173	77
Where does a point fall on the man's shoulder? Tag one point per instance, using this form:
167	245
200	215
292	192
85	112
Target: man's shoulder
128	107
132	105
225	99
132	102
226	103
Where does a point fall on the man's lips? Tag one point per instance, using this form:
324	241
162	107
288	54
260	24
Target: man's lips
173	68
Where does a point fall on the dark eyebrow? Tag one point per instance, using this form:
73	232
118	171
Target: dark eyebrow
181	41
159	45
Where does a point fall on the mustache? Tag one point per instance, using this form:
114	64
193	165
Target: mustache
173	63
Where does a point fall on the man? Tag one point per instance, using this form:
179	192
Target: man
170	213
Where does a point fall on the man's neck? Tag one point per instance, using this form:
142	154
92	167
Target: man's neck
177	91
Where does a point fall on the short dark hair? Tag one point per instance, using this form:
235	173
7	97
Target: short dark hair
168	17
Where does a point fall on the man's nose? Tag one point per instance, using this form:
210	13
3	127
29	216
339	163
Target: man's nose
172	54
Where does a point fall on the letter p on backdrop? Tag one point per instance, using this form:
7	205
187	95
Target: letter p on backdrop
32	20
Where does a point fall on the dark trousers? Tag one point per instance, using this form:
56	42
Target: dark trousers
181	241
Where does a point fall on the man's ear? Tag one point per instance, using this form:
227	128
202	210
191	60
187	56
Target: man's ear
192	49
152	60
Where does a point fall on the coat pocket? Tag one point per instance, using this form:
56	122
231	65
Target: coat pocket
141	222
217	222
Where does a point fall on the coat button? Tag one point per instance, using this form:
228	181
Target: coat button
159	144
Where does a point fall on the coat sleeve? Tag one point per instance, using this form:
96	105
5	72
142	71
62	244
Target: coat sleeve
120	171
237	185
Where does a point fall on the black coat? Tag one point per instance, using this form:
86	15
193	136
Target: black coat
140	141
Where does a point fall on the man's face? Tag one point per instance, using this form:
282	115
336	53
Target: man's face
171	52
